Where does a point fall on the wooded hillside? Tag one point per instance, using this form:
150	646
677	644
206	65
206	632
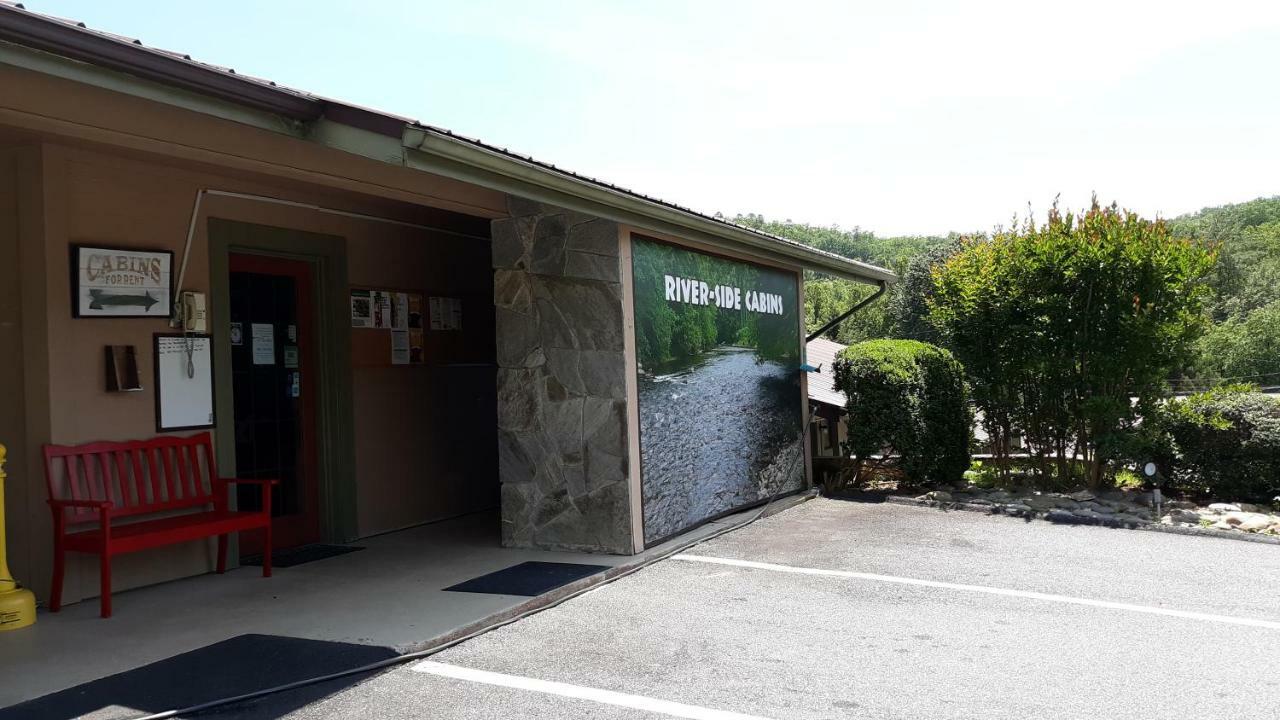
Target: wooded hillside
1242	342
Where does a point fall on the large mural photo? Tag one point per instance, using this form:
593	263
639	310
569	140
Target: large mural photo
718	351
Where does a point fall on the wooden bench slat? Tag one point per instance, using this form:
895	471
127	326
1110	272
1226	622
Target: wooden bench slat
139	480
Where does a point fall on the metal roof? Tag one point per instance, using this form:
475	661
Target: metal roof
821	353
75	40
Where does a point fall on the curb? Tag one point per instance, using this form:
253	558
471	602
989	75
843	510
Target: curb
1067	519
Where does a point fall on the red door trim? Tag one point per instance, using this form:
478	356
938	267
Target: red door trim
304	528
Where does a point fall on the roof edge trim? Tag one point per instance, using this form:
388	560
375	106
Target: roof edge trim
23	27
634	208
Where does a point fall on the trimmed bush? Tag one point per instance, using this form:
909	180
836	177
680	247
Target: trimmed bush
907	399
1227	443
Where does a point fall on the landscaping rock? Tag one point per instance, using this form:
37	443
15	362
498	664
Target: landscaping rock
1041	502
1126	519
1249	522
1111	508
1061	516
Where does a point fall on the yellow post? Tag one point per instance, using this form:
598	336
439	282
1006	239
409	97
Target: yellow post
17	604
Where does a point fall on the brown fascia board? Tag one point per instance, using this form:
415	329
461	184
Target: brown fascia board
364	119
30	30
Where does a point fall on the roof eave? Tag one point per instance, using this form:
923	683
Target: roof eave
448	154
423	147
31	30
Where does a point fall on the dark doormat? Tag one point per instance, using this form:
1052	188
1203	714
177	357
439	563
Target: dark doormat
240	665
528	578
300	555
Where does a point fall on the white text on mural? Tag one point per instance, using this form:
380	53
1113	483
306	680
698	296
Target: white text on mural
696	292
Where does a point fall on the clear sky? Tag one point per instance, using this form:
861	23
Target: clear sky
900	117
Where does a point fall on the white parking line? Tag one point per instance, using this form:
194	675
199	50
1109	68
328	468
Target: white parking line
605	697
1250	622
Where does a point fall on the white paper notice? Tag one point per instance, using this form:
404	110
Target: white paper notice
264	344
435	313
381	309
399	347
445	313
400	311
361	309
455	313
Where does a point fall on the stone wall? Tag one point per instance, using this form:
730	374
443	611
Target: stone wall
562	416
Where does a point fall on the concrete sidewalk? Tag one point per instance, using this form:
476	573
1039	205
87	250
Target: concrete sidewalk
723	641
391	594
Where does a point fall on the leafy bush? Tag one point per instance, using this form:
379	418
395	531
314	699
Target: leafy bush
906	399
1227	442
1128	479
1060	324
983	476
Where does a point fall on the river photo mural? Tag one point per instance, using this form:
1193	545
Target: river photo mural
718	364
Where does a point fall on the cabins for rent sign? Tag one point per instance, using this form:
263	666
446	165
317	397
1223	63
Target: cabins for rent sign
697	292
114	282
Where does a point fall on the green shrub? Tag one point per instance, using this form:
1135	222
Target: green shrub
983	476
1059	325
907	399
1227	443
1128	479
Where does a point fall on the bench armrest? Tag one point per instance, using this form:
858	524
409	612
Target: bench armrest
263	483
100	504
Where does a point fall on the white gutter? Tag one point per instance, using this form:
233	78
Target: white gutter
466	160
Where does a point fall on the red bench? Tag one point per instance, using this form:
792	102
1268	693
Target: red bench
92	486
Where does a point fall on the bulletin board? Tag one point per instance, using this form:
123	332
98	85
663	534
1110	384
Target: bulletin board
387	327
184	381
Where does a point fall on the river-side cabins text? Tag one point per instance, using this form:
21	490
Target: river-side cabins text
696	292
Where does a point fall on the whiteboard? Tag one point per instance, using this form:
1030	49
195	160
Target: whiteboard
184	393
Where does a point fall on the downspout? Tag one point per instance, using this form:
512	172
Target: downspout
845	315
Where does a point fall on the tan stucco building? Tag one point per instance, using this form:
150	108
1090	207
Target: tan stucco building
107	143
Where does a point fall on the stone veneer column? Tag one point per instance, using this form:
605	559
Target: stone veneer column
562	414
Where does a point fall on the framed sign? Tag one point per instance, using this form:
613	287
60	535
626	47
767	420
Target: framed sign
118	282
184	381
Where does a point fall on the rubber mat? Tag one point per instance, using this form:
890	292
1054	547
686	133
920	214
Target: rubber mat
528	578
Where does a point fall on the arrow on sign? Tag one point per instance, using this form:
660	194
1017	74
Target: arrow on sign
99	300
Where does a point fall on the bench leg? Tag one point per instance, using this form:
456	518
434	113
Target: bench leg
266	553
104	572
222	554
59	569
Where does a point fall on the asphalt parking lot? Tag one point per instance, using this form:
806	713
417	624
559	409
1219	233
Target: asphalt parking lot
846	610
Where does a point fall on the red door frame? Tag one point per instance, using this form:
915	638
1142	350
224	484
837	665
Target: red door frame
303	528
